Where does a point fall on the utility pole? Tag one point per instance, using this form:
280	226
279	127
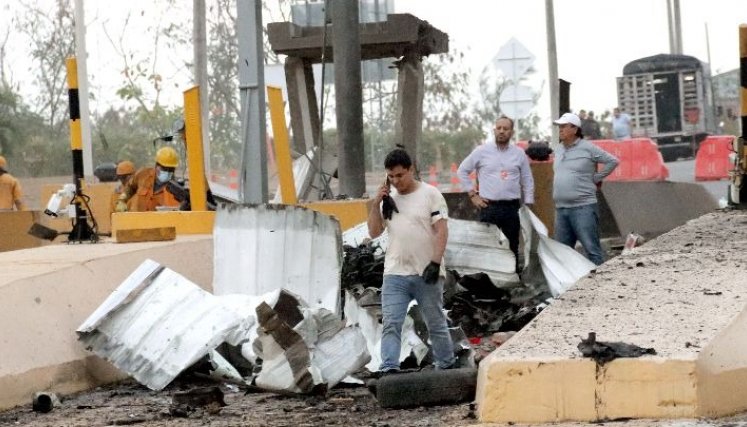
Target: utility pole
670	22
85	115
677	26
199	42
552	65
346	50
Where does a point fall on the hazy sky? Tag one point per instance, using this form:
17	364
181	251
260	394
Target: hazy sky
595	39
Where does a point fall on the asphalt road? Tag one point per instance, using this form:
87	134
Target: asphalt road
684	171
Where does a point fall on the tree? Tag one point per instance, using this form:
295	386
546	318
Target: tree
52	37
450	126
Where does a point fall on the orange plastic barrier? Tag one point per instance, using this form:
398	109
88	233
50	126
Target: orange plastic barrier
455	185
640	159
712	161
432	176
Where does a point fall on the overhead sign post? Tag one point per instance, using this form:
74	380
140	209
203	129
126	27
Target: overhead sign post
514	60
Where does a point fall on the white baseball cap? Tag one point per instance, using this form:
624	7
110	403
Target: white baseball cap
569	118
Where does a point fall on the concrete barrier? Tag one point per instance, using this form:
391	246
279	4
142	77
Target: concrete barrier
682	294
47	292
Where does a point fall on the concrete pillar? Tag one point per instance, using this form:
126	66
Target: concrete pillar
304	111
410	91
346	48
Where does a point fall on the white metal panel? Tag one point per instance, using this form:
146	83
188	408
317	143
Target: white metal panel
157	323
262	248
475	247
561	264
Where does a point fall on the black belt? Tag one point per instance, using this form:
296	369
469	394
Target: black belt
512	202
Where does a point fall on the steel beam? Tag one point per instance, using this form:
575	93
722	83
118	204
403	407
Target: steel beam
253	177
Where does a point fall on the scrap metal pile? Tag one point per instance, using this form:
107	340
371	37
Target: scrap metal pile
291	312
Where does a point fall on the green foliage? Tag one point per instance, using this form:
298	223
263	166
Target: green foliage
52	36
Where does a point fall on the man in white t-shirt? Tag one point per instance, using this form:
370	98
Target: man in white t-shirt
415	215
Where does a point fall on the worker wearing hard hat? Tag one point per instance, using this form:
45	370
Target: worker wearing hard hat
149	188
124	172
10	189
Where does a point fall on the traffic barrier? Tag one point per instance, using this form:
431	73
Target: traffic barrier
233	179
455	185
432	176
712	161
640	160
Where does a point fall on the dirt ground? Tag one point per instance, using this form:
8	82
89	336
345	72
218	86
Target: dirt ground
129	403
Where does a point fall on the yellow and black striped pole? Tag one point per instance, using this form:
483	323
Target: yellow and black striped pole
76	139
81	229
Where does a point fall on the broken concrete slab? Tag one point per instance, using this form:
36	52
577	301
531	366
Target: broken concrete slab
655	296
651	208
262	248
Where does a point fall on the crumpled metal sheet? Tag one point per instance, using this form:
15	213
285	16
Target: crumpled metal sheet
561	265
318	351
473	247
478	247
157	323
262	248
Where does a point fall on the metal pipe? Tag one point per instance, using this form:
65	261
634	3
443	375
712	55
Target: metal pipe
552	65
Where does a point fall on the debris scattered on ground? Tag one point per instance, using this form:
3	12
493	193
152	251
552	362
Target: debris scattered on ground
426	388
44	401
184	403
603	352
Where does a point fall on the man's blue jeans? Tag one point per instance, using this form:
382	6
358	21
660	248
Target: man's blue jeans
580	224
396	294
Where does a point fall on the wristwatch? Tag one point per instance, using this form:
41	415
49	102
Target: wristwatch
472	193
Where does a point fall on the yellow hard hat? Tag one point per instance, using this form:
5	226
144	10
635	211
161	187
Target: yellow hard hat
125	167
3	163
166	156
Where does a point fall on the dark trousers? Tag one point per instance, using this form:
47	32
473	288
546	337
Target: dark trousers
505	215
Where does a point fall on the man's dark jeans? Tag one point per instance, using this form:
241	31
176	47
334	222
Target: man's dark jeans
505	214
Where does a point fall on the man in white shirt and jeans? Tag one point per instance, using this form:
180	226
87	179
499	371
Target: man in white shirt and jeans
413	265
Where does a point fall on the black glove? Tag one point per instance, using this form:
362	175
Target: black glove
388	207
430	274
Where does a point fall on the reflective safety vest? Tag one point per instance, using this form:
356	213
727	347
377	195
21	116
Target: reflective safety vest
140	194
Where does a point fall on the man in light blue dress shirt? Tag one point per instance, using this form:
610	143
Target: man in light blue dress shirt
505	180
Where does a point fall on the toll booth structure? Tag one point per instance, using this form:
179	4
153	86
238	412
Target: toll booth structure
402	36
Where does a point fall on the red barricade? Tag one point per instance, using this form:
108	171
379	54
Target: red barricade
712	161
432	176
455	185
640	160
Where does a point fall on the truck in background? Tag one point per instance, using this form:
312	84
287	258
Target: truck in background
669	99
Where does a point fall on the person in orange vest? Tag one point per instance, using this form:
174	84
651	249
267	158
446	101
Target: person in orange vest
125	170
10	189
149	188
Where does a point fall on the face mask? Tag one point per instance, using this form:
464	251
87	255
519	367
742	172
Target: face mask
164	176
